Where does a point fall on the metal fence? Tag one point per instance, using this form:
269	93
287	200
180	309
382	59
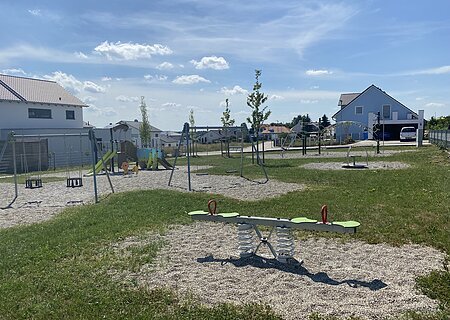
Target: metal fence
440	138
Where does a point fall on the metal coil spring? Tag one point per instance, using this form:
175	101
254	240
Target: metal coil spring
246	244
285	243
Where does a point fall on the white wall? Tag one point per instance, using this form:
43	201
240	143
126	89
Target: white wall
15	115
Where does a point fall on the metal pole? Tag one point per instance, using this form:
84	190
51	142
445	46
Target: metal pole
378	134
186	127
94	156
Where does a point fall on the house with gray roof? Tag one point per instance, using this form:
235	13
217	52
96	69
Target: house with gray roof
359	114
28	103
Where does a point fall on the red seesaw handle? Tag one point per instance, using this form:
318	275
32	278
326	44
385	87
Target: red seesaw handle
212	206
324	212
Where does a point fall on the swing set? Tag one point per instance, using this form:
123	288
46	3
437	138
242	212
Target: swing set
185	139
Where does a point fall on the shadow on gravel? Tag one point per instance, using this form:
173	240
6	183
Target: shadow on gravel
294	267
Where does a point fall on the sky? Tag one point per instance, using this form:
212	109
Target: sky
193	54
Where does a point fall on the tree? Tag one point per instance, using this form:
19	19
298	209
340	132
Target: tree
324	121
226	117
255	100
192	131
144	128
440	123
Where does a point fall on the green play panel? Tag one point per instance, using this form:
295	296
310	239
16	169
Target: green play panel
229	215
193	213
347	224
302	220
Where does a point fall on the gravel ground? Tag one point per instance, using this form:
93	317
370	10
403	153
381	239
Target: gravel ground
35	205
336	278
372	165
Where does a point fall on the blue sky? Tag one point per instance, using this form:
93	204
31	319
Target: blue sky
184	55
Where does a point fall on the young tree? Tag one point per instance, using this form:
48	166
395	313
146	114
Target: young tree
192	131
144	128
255	100
226	117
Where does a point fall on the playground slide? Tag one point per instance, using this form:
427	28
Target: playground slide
99	165
165	163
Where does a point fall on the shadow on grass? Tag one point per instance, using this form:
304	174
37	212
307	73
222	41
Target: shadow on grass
295	268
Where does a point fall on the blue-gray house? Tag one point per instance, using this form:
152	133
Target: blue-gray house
359	114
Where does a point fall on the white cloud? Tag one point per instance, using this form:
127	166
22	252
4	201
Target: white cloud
308	101
131	51
276	97
14	71
67	81
164	66
439	70
156	77
191	79
434	105
213	62
93	87
314	87
123	98
106	79
72	84
318	72
81	55
170	105
88	99
35	12
233	91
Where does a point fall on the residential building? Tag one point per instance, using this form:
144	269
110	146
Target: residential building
33	103
360	112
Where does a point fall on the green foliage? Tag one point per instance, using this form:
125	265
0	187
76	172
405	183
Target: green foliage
226	117
324	122
255	100
300	118
144	128
441	123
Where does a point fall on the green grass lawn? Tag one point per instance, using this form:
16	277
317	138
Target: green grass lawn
55	269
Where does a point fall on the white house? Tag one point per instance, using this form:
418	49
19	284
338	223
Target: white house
33	103
359	113
136	136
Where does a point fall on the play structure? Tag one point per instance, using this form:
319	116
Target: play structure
28	155
351	160
284	249
150	158
185	141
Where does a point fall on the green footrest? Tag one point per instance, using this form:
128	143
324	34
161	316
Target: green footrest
347	224
223	215
302	220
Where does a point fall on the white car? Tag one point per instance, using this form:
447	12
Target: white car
408	133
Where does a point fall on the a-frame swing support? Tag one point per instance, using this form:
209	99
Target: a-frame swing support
185	136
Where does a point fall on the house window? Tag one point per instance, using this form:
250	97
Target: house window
358	110
39	113
156	135
386	111
70	114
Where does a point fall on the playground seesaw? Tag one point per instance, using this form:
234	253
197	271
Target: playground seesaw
284	249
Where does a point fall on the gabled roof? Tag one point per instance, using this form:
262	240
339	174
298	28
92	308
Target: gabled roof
360	94
346	98
14	88
137	124
274	129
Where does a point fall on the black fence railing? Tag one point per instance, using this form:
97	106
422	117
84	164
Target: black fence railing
440	138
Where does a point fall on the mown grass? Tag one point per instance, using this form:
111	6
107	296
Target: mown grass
55	270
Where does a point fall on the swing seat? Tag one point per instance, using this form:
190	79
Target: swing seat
74	182
31	183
